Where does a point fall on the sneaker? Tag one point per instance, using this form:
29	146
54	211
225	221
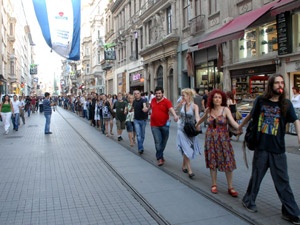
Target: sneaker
141	152
252	209
120	138
292	219
160	162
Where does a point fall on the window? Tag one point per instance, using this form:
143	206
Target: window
87	70
169	20
11	29
87	51
160	80
213	6
98	57
141	38
296	32
186	12
150	28
197	7
12	67
259	41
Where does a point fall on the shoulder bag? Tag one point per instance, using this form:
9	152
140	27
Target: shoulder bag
189	127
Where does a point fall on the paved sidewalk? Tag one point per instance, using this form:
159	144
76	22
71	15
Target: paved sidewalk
58	179
268	203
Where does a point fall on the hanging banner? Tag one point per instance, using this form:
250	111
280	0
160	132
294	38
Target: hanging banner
60	25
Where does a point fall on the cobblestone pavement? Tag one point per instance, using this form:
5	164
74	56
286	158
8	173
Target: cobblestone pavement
59	179
51	180
268	203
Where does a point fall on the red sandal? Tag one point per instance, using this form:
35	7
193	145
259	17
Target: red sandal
233	192
214	189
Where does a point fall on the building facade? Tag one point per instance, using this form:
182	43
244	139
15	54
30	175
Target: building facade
16	53
247	41
230	45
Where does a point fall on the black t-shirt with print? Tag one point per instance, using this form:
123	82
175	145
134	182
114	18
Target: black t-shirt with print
271	125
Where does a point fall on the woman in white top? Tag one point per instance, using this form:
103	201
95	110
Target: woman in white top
296	103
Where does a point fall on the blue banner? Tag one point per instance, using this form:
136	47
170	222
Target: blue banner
60	25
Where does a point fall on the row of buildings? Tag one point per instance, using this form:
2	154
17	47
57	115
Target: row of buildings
16	49
140	44
232	45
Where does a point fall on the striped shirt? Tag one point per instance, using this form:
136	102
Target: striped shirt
47	107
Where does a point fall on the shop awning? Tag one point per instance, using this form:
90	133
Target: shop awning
285	5
235	28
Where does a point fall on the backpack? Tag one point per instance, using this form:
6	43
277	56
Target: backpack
251	138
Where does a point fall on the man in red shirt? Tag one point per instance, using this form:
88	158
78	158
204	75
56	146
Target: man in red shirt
160	122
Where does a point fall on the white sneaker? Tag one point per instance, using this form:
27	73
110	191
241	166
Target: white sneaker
6	132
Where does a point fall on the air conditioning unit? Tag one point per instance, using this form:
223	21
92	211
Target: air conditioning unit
226	20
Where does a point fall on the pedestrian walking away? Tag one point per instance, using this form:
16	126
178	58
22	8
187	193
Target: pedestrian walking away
189	147
160	108
274	111
140	119
6	112
219	154
47	106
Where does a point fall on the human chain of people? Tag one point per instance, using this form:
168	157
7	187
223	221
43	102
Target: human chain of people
131	112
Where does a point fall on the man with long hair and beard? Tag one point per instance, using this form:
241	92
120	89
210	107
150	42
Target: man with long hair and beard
274	112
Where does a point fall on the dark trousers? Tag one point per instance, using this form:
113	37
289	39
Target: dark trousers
262	160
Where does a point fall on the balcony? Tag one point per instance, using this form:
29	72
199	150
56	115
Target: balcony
106	64
148	5
197	24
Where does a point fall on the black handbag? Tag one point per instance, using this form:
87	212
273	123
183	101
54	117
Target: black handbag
251	138
189	127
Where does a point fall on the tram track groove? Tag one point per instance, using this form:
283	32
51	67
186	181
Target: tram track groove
148	207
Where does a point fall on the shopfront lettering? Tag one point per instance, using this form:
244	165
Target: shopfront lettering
136	77
283	26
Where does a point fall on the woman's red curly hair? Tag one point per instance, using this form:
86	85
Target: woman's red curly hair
211	95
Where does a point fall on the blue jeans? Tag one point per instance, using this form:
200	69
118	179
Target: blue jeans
161	136
140	126
48	121
15	120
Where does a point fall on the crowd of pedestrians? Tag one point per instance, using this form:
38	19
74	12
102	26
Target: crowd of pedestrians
214	110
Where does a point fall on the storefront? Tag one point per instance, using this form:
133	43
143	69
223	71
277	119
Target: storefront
207	74
250	82
136	81
3	87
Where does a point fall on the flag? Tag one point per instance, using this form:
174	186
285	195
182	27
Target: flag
60	25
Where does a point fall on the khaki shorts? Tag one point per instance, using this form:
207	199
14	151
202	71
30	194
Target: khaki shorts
120	125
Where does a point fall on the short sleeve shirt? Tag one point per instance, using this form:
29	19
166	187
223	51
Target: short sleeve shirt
160	112
271	125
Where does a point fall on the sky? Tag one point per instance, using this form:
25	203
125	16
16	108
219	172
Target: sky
49	63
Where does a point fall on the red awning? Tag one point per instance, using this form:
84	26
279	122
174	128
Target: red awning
285	5
235	28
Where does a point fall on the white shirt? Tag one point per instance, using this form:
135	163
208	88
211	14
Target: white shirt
16	105
296	101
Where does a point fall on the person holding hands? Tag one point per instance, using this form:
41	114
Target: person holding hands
219	154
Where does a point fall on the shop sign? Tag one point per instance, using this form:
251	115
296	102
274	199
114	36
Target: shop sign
284	33
136	77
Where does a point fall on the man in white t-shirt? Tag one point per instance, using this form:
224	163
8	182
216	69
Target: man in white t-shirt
15	116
